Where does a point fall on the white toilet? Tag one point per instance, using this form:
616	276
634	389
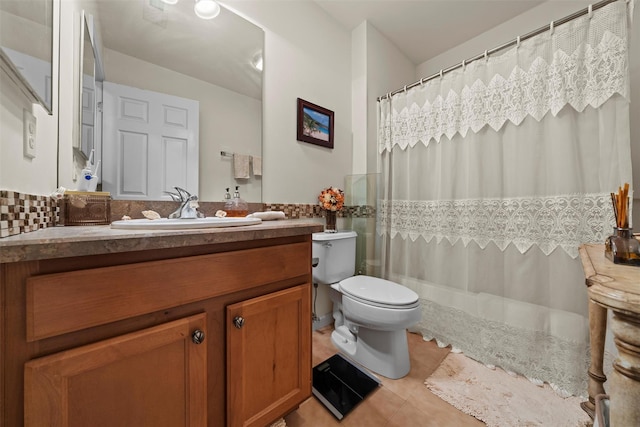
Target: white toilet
371	314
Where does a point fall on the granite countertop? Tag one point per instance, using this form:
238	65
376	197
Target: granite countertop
61	242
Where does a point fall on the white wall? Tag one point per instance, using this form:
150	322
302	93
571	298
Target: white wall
308	56
378	67
17	172
507	31
387	70
359	98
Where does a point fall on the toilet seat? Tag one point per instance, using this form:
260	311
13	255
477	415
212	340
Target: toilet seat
379	292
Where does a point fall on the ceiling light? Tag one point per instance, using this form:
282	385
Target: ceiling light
170	1
206	9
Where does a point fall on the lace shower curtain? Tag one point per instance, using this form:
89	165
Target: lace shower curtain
493	175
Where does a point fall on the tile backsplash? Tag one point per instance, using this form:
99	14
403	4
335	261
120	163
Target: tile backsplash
23	213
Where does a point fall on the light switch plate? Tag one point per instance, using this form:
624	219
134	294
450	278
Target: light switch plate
29	133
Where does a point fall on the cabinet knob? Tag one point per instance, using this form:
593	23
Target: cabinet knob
238	321
197	336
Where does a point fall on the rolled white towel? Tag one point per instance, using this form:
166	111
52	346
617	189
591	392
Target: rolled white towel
268	216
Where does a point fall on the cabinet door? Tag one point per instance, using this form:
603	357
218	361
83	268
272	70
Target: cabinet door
153	377
268	356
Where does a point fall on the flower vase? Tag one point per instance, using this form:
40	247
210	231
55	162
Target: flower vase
331	218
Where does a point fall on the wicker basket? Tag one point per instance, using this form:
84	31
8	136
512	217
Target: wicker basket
86	208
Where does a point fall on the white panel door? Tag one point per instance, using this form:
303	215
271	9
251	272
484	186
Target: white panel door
150	143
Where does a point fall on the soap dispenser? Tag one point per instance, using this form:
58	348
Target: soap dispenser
228	203
237	207
88	178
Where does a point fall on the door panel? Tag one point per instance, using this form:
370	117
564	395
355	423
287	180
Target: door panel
134	148
169	125
268	357
155	377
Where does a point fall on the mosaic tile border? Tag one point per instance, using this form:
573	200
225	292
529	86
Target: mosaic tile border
296	211
24	213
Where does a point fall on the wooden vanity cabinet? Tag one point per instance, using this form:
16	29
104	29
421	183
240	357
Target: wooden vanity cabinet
268	357
108	340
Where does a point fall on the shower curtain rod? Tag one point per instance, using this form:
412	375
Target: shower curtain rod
517	40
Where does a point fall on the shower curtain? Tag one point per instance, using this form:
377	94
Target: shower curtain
494	174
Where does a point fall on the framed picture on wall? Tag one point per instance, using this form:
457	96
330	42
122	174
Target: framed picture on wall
315	124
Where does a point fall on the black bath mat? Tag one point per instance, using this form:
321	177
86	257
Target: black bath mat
340	386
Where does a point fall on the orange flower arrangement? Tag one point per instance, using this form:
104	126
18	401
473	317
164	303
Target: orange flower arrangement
331	199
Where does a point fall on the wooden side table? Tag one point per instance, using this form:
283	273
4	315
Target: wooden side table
614	287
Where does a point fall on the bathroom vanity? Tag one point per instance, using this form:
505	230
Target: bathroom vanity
164	328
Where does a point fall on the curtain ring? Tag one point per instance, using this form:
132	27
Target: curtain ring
405	89
551	27
590	11
422	81
464	64
440	72
486	55
517	42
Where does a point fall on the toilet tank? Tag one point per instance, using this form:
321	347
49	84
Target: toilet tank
335	254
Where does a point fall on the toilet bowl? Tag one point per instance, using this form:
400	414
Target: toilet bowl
370	314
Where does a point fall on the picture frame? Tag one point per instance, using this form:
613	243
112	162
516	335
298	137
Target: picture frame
315	124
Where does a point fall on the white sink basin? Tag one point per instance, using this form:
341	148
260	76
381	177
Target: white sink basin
183	224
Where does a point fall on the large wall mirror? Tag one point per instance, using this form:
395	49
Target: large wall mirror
177	87
26	47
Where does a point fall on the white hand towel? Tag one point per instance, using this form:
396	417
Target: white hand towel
268	216
241	166
257	166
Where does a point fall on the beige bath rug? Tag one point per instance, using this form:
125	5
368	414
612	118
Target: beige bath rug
500	399
280	423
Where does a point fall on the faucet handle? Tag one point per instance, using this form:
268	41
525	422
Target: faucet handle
174	196
184	194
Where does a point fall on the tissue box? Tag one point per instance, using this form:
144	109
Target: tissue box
86	208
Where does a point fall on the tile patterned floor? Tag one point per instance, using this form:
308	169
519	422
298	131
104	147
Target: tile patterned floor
404	402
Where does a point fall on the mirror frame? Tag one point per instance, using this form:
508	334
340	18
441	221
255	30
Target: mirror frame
21	81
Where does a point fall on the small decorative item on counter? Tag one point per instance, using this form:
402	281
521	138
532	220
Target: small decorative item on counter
86	208
622	247
151	214
331	199
235	207
220	214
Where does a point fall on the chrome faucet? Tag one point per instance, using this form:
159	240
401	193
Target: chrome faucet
188	204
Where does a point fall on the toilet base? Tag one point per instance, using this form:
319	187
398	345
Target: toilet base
383	352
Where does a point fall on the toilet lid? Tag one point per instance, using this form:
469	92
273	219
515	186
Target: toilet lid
378	291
